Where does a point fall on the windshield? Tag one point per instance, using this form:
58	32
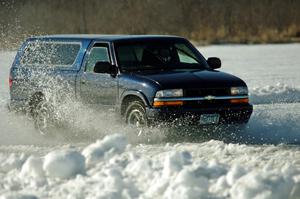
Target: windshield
158	55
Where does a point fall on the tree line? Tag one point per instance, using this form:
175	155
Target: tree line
204	21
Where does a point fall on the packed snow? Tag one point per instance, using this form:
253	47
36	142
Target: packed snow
211	169
110	161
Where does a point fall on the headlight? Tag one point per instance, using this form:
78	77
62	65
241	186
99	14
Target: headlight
170	93
239	91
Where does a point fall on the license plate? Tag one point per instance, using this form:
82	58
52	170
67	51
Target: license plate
209	119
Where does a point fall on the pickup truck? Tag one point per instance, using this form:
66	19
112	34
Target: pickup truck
145	78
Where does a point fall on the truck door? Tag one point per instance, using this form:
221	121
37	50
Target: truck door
98	88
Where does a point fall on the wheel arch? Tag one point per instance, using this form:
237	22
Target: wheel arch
130	96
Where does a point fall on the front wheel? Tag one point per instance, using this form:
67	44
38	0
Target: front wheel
135	115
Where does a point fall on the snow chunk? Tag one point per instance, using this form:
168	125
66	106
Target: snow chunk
114	184
17	196
296	189
188	185
13	161
141	167
32	172
114	180
234	174
112	144
189	177
220	186
64	164
184	192
261	185
175	161
212	169
33	167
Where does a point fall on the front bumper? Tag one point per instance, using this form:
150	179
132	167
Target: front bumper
228	114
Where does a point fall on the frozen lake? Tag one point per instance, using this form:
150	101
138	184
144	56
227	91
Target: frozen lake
262	162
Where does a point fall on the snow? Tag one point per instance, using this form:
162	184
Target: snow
64	164
104	149
187	185
235	173
11	161
262	185
33	167
175	161
279	93
110	161
178	171
17	196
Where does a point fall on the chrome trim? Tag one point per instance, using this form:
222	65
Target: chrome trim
199	98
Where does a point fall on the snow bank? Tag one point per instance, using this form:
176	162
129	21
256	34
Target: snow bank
105	148
64	164
207	170
280	93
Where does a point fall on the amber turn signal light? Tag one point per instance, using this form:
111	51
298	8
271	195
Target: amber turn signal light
239	101
167	103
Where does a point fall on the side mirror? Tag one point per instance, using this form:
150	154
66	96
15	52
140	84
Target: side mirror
104	67
214	62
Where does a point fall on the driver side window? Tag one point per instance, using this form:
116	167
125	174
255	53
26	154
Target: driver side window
97	53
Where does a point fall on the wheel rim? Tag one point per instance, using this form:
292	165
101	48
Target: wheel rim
41	120
136	118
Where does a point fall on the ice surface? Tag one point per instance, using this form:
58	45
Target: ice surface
259	65
255	163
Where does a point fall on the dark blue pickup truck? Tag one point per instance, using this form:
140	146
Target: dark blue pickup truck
146	78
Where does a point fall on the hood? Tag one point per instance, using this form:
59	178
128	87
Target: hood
193	79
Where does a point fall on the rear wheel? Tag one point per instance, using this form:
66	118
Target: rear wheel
41	113
135	115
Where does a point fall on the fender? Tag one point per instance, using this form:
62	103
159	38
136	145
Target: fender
135	93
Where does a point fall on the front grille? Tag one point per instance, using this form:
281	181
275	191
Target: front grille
206	91
206	103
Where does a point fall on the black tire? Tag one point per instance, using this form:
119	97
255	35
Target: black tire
135	114
41	113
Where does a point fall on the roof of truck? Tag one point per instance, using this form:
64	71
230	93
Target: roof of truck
104	37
